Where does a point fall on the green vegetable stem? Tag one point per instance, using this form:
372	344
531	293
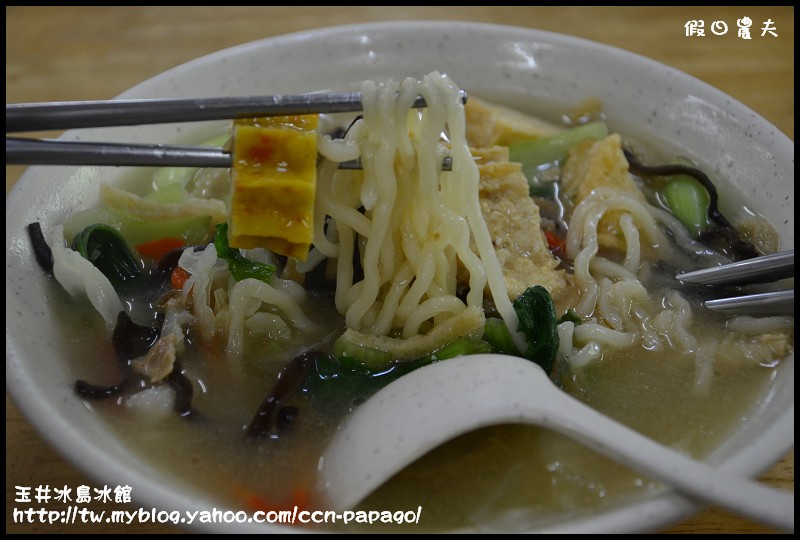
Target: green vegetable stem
688	200
544	150
240	266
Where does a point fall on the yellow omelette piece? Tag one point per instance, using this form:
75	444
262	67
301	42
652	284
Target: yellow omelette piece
274	181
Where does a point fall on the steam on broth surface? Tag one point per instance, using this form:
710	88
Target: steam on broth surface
414	260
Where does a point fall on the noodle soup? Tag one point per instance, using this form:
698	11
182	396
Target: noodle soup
629	344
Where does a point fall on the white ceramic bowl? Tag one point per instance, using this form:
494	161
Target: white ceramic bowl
512	65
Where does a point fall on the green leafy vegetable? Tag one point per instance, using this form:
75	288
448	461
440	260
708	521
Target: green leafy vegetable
107	250
331	366
544	150
240	266
345	379
537	320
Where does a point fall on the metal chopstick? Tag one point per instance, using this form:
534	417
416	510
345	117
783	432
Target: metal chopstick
22	151
762	269
769	303
57	152
83	114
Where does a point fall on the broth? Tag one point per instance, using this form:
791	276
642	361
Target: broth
511	477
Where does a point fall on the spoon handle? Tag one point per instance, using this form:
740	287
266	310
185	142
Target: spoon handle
696	479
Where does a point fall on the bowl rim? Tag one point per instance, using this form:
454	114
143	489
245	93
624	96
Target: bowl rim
652	513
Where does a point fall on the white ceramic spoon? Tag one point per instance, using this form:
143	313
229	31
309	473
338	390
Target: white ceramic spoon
439	402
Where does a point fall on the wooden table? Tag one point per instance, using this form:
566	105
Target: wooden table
73	53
